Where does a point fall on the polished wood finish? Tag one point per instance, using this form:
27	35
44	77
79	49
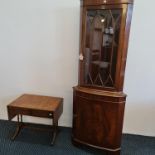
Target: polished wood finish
38	106
122	48
98	108
98	118
105	2
124	45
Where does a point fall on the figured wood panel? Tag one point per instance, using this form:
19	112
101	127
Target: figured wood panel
97	122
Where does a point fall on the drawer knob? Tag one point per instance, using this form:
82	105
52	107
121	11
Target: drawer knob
81	57
50	114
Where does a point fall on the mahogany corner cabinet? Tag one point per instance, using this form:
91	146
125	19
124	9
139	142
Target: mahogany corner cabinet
98	99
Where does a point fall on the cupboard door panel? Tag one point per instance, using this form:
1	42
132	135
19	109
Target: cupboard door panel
97	121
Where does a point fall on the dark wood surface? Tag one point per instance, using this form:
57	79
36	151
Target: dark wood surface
36	105
98	112
98	119
104	2
124	46
99	92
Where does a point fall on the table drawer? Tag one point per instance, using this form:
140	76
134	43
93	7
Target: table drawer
12	111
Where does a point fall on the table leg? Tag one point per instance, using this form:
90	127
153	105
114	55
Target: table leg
21	118
19	126
55	129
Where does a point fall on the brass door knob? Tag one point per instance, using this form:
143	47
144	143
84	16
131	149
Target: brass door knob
81	57
50	114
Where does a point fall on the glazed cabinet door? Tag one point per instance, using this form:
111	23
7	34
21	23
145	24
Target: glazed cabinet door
101	50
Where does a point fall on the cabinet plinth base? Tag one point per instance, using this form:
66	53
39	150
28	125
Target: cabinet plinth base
80	143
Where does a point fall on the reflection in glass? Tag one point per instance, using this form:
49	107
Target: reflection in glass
102	36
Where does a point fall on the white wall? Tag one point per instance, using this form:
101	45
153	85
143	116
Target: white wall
39	51
39	42
140	71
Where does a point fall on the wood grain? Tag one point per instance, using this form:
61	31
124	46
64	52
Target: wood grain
103	2
98	110
36	102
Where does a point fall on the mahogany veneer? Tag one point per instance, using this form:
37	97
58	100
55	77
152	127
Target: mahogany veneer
98	100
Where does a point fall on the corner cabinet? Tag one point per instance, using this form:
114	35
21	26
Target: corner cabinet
98	100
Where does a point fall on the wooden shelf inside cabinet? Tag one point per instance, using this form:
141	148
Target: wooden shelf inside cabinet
101	64
97	29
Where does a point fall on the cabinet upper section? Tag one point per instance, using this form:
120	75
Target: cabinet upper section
103	2
105	26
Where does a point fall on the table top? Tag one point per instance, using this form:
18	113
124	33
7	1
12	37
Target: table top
37	102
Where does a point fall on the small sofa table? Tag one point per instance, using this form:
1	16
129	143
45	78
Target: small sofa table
38	106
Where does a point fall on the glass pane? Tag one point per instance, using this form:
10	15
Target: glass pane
102	38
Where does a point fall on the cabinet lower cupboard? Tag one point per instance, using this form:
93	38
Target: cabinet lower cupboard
98	99
98	118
